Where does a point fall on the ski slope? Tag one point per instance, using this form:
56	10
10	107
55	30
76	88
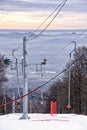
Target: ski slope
43	122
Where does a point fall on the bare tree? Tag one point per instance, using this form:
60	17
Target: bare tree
78	85
79	80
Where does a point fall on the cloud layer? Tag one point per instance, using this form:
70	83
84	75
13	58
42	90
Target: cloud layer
32	5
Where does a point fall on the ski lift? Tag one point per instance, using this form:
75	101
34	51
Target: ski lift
6	61
44	62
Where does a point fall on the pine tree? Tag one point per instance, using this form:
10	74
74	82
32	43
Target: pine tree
3	79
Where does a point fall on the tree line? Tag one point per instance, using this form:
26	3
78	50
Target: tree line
78	86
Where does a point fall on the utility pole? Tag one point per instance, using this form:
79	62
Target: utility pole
16	67
69	87
25	82
5	107
13	103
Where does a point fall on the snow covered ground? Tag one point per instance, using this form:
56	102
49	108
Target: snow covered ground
43	122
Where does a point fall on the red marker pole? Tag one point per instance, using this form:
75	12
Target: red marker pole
53	107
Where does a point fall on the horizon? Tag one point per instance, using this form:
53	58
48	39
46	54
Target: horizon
12	29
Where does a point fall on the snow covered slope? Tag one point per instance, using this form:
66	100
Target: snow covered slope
43	122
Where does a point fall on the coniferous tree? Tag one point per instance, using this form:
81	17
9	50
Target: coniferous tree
3	78
4	62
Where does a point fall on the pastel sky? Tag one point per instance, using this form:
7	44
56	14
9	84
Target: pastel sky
29	14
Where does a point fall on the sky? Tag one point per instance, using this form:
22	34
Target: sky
29	14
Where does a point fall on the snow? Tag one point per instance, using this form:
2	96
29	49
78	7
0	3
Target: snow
43	122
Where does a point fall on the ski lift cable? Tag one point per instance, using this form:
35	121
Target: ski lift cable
47	19
49	3
74	39
60	8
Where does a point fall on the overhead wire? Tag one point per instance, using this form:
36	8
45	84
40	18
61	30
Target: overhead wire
83	31
47	18
74	39
32	32
34	90
60	8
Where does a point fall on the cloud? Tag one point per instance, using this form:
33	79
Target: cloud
34	5
27	5
77	6
38	5
13	5
24	5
